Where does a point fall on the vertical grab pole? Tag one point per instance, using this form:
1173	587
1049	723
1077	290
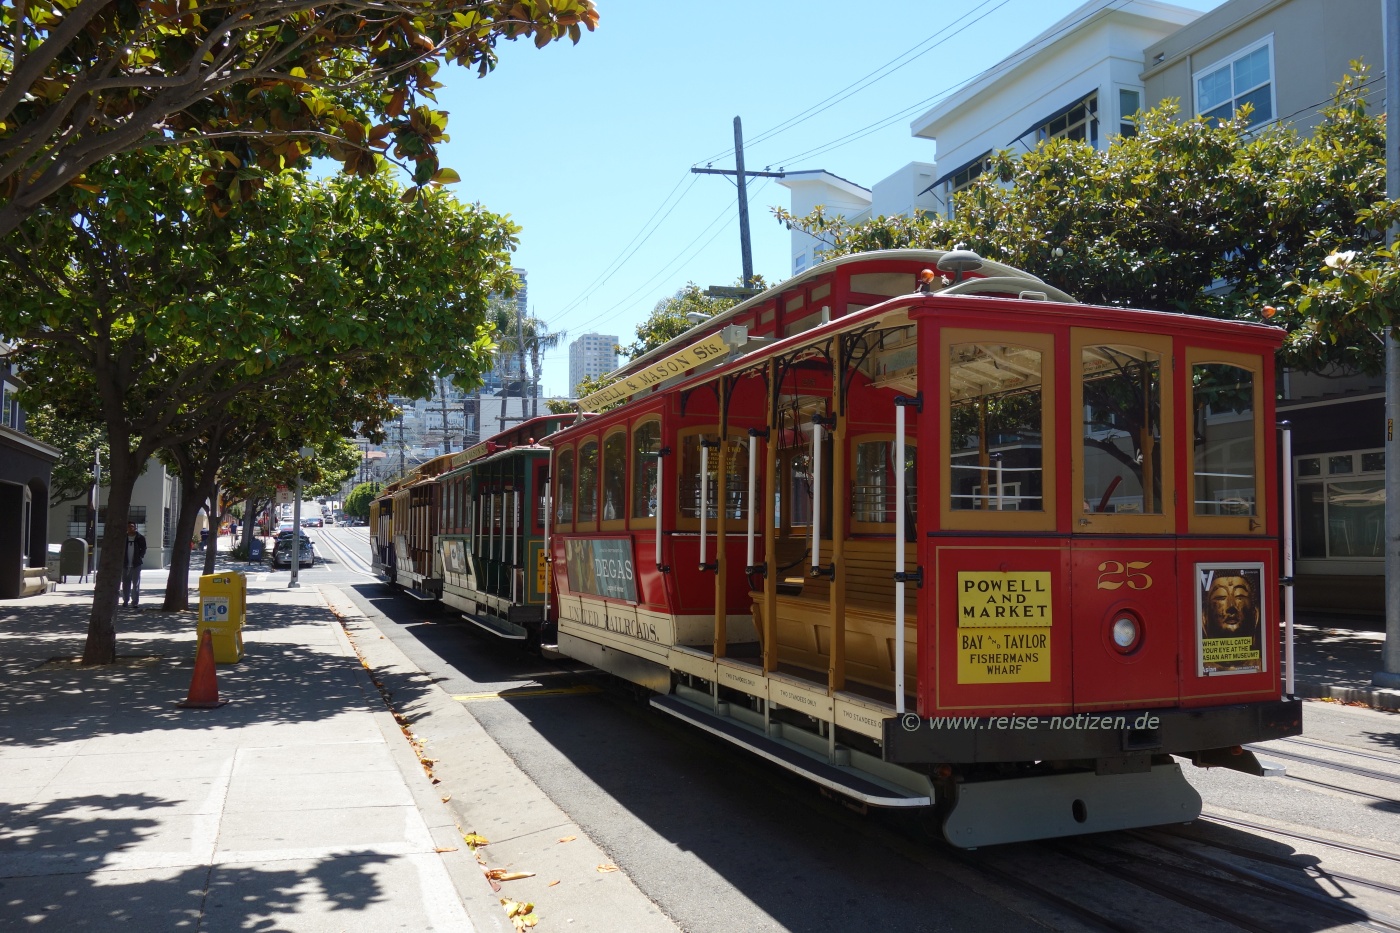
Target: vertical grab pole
748	498
816	496
899	559
1288	556
548	517
1000	500
660	485
704	496
515	546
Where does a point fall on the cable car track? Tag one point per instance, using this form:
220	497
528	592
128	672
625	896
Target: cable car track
1209	817
346	555
1256	883
1368	773
1279	860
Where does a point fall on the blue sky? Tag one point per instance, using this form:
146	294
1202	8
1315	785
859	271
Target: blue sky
589	147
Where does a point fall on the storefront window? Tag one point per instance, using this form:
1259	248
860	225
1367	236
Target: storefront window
1342	519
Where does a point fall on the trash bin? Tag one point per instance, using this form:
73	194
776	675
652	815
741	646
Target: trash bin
73	559
223	609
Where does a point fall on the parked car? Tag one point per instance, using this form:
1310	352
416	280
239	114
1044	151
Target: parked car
282	551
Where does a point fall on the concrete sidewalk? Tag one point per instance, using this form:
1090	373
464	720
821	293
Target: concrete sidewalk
299	806
1336	660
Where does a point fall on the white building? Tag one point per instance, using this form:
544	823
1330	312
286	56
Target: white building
590	356
155	506
1079	79
1084	78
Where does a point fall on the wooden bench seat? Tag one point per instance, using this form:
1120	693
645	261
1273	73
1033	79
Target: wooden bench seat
803	624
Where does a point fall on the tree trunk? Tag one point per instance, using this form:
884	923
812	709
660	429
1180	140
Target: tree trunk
123	469
177	586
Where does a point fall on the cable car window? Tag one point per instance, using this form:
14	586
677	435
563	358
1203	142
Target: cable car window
615	476
689	499
997	406
873	493
1224	414
564	504
646	441
1122	441
736	475
588	481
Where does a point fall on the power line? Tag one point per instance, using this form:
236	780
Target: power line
860	84
632	246
681	256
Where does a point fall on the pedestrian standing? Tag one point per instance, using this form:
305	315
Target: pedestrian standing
131	566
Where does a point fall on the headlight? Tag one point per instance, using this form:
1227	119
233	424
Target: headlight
1126	632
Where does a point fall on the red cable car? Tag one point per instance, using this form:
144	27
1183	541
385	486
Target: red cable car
941	538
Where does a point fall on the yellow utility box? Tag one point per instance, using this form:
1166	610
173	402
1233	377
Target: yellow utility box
223	609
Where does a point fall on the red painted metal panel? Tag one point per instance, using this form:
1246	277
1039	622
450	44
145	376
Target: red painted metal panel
1137	579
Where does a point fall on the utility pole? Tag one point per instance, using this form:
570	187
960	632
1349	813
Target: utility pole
741	176
1389	675
93	499
446	436
403	470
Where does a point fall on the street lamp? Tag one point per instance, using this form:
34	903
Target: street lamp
306	453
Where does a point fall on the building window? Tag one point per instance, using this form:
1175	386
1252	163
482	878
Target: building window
964	177
1342	518
77	521
1129	103
1245	78
1080	122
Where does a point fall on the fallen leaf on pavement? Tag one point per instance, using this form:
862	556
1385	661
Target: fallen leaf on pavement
552	883
474	840
500	874
445	849
446	797
568	839
522	915
606	868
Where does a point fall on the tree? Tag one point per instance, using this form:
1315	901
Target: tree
357	503
264	85
81	444
1205	216
141	310
668	319
522	335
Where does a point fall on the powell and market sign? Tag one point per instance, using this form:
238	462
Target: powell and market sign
703	350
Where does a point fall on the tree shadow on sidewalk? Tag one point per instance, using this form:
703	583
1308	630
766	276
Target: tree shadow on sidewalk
284	679
93	861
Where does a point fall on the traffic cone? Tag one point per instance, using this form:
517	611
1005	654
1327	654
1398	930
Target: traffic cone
204	686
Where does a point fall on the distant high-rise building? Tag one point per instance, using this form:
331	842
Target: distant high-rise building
590	356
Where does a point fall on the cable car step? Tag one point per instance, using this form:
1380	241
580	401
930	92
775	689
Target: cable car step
421	597
498	627
843	780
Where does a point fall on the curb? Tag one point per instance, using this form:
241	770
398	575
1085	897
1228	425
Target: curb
458	862
1374	697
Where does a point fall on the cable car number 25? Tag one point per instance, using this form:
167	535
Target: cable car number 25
1116	574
